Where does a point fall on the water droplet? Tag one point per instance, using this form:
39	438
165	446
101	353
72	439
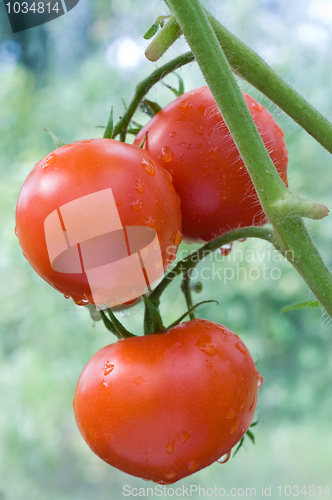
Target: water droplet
148	166
125	313
225	457
105	384
208	364
170	446
15	231
240	347
66	146
206	344
225	249
139	380
230	414
214	152
170	475
137	205
107	367
166	154
200	130
252	404
81	302
185	106
66	296
50	160
201	109
259	380
177	238
139	186
192	465
86	141
172	134
185	436
234	427
242	240
151	222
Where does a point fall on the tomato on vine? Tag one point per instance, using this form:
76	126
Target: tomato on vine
166	405
81	208
190	138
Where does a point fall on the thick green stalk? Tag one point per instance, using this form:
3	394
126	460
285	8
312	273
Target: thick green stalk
251	67
292	236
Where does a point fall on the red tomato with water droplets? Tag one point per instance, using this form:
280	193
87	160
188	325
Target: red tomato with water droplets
143	195
166	405
190	139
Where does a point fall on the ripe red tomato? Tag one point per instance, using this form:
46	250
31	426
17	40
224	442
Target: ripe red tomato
190	138
164	406
143	196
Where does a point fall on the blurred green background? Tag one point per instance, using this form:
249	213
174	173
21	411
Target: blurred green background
66	75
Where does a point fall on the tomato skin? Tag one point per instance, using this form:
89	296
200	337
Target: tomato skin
143	197
164	406
190	138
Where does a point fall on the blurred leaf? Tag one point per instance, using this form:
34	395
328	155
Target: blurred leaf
151	31
301	305
58	143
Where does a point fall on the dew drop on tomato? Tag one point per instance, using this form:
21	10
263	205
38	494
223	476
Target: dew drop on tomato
166	154
240	347
148	166
230	413
170	475
206	344
225	249
234	427
136	205
107	368
225	457
192	465
259	380
81	302
139	186
170	446
177	238
50	160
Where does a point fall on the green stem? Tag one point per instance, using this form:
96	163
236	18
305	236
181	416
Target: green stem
121	330
163	40
143	88
252	68
109	127
186	290
247	64
291	235
157	322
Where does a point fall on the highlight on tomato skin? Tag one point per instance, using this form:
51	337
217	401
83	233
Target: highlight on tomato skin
164	406
111	174
190	139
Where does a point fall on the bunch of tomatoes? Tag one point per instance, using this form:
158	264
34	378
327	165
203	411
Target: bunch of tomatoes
167	404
